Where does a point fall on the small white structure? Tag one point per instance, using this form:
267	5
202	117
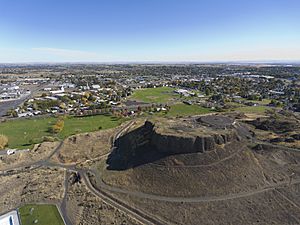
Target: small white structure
10	152
184	92
25	114
96	86
10	218
62	90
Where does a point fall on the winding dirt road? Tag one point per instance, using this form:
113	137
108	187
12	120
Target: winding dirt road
103	190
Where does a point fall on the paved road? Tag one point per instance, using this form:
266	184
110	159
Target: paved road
4	152
7	105
63	205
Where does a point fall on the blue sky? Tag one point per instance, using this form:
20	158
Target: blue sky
149	30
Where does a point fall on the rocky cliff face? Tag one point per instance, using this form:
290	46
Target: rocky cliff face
176	144
148	141
172	143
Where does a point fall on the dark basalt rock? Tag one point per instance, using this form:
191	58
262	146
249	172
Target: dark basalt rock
296	136
146	144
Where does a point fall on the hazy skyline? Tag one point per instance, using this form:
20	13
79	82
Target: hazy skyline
156	30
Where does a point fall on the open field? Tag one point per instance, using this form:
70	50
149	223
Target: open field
155	95
45	214
187	110
24	133
263	102
74	125
253	109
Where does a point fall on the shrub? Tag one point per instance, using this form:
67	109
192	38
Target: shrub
3	141
48	139
58	126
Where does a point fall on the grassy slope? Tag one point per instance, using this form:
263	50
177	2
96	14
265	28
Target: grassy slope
22	133
154	95
45	214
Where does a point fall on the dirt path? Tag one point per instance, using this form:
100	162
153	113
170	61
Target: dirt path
104	190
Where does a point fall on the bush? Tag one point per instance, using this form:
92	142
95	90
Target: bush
58	126
3	141
48	139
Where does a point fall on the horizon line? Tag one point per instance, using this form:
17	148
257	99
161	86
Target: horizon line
160	62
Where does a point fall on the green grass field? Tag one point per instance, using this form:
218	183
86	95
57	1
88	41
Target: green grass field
45	214
154	95
75	125
187	110
252	109
24	133
263	102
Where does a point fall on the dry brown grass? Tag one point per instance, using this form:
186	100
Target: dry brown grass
87	146
3	141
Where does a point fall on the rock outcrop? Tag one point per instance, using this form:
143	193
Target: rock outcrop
172	143
149	143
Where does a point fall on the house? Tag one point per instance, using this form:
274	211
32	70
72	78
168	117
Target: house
95	86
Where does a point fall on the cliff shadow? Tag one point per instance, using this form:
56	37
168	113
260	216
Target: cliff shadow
143	156
134	149
145	145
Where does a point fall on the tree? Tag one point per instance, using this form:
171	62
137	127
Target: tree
207	92
58	126
3	141
12	113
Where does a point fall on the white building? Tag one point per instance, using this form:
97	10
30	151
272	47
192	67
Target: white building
62	90
183	92
95	86
11	218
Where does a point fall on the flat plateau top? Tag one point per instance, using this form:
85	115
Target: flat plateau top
216	121
204	125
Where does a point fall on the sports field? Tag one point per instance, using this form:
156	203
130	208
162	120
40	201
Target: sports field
41	214
187	110
253	109
154	95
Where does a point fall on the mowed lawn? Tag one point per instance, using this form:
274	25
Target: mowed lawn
74	125
263	102
253	109
154	95
187	110
44	214
24	133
